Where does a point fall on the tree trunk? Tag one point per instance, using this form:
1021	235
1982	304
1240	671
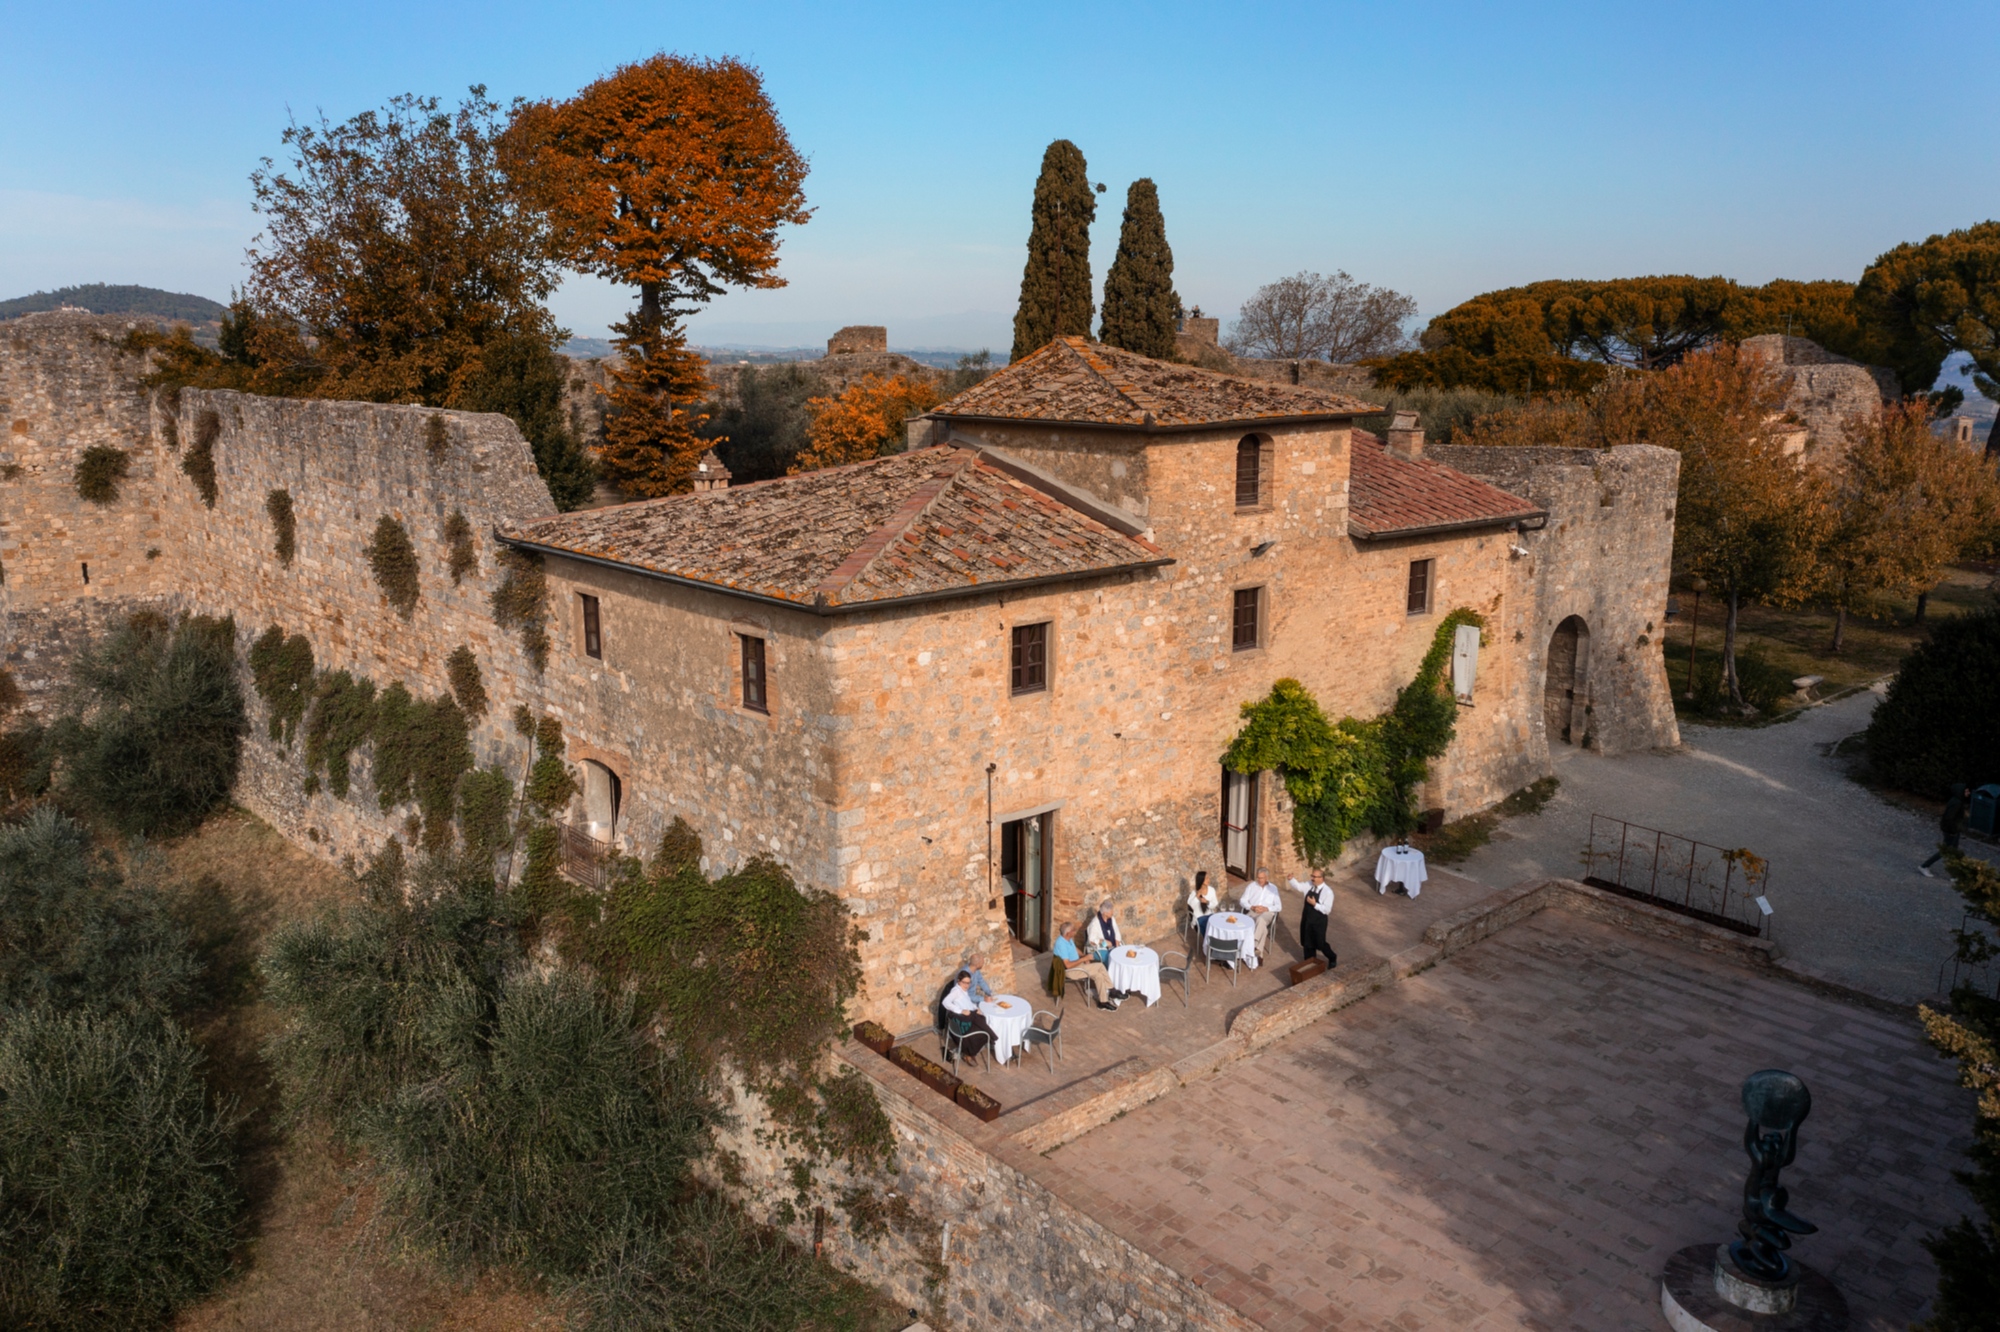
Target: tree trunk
1923	604
1839	627
1729	680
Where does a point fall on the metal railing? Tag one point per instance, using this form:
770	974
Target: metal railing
584	858
1710	883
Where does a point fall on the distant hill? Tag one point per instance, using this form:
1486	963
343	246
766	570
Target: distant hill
101	298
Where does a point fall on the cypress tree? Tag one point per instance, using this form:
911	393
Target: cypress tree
1055	286
1139	299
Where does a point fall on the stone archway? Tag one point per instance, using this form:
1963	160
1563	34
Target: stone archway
1565	697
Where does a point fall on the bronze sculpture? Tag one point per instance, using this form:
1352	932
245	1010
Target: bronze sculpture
1777	1102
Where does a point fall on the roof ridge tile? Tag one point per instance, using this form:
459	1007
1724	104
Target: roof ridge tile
914	506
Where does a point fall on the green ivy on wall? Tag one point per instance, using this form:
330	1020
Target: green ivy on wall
99	471
521	601
463	557
422	749
1353	775
393	557
462	669
281	669
340	720
284	526
199	461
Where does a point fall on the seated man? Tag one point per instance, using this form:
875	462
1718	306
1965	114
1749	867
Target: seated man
1261	901
1102	935
1077	969
962	1013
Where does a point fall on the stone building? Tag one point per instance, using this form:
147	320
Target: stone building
1823	391
971	688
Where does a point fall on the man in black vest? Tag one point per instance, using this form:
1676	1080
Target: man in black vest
1313	921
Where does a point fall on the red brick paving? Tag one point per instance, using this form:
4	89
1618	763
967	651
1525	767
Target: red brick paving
1523	1135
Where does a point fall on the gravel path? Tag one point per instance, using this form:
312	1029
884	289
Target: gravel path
1850	905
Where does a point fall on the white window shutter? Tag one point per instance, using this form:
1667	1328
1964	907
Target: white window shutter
1464	661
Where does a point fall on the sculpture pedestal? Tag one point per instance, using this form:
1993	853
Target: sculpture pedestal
1703	1290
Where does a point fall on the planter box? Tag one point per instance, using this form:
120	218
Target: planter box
1306	970
978	1102
875	1036
925	1070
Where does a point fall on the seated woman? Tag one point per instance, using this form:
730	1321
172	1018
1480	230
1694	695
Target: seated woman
1201	902
1102	934
1076	969
961	1010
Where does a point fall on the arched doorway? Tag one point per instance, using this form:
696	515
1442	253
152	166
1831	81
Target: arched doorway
600	800
1564	696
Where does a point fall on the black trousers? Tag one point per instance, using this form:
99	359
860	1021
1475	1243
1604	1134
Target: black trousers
1312	935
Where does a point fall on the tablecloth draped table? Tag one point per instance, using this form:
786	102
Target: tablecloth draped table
1400	864
1135	969
1009	1016
1237	925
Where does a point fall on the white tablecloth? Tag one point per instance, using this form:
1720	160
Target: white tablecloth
1008	1023
1236	925
1400	864
1135	968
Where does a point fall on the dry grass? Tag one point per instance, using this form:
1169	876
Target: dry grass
313	1262
1797	641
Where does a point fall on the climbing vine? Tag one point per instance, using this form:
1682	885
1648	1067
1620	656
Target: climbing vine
462	669
199	461
1352	775
436	438
463	557
340	720
284	525
422	749
99	471
281	669
393	557
521	602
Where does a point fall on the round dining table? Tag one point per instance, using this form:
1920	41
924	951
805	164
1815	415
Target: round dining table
1008	1015
1401	865
1135	969
1236	925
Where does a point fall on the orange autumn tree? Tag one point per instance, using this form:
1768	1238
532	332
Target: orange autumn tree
864	420
671	175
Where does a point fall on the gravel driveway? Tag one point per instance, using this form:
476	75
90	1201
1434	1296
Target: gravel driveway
1849	903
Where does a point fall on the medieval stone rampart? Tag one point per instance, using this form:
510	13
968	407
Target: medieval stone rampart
1604	558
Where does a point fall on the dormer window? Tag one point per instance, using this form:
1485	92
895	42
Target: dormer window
1253	472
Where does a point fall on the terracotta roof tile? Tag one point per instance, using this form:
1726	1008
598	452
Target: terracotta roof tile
1391	496
1083	382
933	522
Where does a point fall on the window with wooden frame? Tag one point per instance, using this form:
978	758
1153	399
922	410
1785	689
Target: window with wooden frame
756	696
593	629
1419	602
1028	662
1246	619
1253	472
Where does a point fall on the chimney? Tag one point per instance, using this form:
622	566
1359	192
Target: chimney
710	474
1405	437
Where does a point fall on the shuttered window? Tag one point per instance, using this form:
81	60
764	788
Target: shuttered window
754	696
1245	626
593	632
1028	667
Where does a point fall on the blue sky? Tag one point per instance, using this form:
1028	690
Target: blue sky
1442	149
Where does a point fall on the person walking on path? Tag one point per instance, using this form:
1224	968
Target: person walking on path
1313	920
1952	824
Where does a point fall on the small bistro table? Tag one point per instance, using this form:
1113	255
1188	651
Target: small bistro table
1135	968
1400	864
1236	925
1008	1015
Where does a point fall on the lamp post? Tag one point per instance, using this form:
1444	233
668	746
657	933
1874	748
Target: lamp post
1696	585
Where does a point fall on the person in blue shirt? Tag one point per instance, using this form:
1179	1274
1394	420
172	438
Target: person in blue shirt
1076	969
981	991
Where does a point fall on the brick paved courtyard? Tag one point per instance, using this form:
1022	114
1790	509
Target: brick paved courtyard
1521	1136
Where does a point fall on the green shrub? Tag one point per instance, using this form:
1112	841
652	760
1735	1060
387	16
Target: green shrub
281	671
464	555
284	526
393	557
199	461
1938	724
99	471
154	746
74	934
1442	412
340	720
521	601
117	1201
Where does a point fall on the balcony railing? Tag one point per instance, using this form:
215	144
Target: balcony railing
584	858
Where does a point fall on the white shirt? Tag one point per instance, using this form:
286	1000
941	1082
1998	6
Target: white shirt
959	1000
1203	902
1094	935
1261	895
1319	894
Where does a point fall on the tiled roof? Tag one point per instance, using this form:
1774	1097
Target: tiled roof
1391	496
1074	380
933	522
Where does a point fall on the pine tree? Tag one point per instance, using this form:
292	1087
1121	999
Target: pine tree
1139	299
1055	286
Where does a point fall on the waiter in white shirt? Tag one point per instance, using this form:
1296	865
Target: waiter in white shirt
1312	922
1260	899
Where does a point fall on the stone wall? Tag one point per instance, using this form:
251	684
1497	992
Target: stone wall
1604	557
1824	391
858	338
